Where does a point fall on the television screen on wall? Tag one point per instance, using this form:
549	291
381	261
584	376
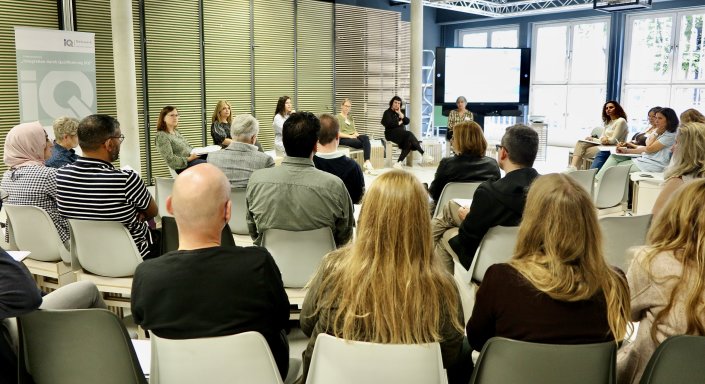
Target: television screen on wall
485	76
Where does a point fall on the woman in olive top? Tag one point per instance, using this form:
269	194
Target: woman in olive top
349	135
458	116
173	147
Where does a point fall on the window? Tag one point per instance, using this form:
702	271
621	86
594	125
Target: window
569	75
504	37
663	64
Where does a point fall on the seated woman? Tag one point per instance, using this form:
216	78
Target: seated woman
281	113
173	147
639	139
395	131
666	281
220	124
458	116
688	162
615	130
469	164
557	288
62	152
28	181
655	155
387	286
349	135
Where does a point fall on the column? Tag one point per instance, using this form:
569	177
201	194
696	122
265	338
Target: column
125	81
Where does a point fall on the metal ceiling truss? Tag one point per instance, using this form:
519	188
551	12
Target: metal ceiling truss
504	8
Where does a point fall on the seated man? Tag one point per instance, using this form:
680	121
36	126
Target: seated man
93	189
241	157
296	196
204	289
19	295
494	203
330	160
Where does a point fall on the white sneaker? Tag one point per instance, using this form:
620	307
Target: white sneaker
398	165
427	159
368	166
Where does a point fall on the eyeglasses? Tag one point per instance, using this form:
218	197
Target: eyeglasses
121	137
499	146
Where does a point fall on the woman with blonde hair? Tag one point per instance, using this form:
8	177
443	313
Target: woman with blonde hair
387	287
349	135
220	124
667	280
688	161
469	163
557	288
692	115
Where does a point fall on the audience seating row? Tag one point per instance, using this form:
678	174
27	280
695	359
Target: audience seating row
88	346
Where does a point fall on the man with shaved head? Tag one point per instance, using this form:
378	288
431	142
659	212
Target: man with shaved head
204	289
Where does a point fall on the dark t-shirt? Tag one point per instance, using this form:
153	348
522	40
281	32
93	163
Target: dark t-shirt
508	305
347	170
214	291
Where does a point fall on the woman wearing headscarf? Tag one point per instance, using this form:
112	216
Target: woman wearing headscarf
28	181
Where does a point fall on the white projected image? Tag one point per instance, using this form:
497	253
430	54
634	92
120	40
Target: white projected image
482	75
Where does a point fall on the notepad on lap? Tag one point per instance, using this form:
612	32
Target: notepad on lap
463	202
203	150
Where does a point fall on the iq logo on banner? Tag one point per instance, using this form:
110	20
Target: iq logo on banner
56	74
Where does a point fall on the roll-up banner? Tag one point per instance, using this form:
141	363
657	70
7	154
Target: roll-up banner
55	74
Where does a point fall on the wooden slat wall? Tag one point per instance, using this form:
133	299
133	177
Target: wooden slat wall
314	56
39	14
226	27
370	63
274	61
174	69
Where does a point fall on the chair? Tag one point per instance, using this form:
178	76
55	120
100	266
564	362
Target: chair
342	361
298	254
586	179
621	233
497	246
452	191
32	229
678	360
77	346
163	189
510	361
238	214
240	358
170	235
613	190
103	252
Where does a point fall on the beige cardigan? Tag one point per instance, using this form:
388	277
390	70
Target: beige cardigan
649	296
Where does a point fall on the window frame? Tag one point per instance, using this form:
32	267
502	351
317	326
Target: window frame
488	31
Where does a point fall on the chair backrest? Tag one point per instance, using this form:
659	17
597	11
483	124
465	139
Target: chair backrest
679	359
170	235
78	346
621	233
33	230
510	361
613	188
163	190
586	179
104	248
238	214
497	246
452	191
240	358
341	361
298	253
